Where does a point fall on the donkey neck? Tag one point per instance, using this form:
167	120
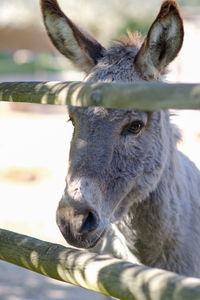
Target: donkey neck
151	226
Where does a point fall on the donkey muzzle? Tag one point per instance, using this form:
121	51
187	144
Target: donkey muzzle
77	214
78	226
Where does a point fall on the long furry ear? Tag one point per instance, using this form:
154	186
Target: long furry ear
163	42
82	49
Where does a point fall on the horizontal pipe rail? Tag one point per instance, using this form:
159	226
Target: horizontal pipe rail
102	274
138	96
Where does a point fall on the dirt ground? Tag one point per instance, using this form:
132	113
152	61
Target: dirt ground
34	147
20	284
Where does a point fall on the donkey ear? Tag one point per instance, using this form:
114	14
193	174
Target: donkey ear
71	41
163	41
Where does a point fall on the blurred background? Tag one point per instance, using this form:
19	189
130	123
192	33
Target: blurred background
35	139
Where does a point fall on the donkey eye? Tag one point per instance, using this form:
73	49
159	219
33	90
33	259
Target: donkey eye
133	128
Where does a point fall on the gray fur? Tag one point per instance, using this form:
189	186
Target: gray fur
134	196
146	183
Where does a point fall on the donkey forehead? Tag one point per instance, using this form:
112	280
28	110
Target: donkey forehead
117	64
93	114
119	53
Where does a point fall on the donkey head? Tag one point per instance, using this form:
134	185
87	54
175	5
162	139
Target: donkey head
117	157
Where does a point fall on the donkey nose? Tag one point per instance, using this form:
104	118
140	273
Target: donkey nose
78	226
90	222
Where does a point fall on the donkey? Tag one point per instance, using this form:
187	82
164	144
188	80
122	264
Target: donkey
129	191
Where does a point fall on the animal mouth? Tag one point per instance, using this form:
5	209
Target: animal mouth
85	240
95	242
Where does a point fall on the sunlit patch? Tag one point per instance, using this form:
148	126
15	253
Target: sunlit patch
24	176
25	262
43	271
34	257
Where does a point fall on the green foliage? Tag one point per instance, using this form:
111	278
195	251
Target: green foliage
42	62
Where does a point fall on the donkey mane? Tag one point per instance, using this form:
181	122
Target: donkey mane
133	39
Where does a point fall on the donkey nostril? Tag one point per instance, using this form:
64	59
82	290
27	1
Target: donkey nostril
90	223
